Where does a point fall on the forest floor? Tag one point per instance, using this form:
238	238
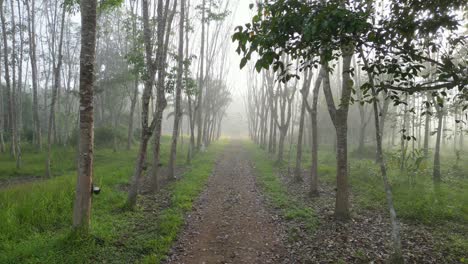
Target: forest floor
230	223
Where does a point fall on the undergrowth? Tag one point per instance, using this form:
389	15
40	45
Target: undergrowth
36	217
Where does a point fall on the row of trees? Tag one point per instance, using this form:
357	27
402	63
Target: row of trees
141	63
403	64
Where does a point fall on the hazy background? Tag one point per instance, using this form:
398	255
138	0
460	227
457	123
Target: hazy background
235	122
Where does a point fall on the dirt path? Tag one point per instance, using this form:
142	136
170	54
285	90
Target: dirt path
229	223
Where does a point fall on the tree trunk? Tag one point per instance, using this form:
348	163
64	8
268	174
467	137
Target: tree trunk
305	93
403	139
34	74
201	80
314	191
178	111
82	205
57	74
342	203
163	42
282	138
397	256
132	113
14	120
7	72
427	127
146	130
298	169
436	177
340	119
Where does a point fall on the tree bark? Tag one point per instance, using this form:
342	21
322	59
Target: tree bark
82	205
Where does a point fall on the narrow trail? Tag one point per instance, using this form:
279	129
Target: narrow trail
230	223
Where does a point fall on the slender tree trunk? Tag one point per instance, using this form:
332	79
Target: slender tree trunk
298	168
403	139
57	80
34	73
305	93
132	114
2	119
444	131
201	80
82	205
314	191
191	114
275	130
436	176
397	256
146	130
14	86
163	42
282	138
270	137
7	71
178	110
19	96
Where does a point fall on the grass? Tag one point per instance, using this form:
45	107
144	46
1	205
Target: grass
36	217
415	197
290	208
33	163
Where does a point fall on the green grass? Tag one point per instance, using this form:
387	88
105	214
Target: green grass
415	197
33	163
36	217
290	208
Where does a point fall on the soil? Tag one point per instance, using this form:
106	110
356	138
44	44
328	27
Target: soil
230	223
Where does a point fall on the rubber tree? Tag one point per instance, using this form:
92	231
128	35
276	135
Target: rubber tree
34	71
55	89
8	88
397	255
313	111
82	204
178	91
148	78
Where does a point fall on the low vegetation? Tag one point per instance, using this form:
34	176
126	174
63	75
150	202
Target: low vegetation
289	208
36	217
